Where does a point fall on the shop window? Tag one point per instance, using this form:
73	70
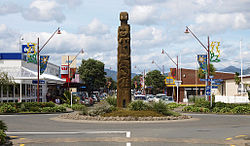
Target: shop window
10	89
17	90
23	90
5	91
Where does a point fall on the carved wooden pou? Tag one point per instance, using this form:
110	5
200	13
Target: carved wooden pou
123	63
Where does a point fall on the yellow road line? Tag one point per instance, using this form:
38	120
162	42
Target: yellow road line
22	138
22	145
13	136
229	138
232	145
238	136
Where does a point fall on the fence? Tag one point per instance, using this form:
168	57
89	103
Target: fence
232	99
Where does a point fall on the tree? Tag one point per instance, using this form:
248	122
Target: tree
237	78
92	73
136	79
5	80
202	75
156	80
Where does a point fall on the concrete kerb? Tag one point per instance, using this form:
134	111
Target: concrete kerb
121	122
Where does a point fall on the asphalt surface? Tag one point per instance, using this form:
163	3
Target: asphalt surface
202	130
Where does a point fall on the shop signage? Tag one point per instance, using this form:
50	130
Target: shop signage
40	81
64	69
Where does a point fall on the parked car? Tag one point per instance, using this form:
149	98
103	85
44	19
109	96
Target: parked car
93	96
150	97
158	97
140	97
167	99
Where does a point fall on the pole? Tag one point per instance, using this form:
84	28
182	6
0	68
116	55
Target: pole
71	98
208	71
177	77
144	82
241	70
68	73
38	72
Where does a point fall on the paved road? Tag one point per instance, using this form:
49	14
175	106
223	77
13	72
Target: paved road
207	130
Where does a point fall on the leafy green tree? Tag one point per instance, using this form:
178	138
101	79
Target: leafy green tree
202	75
237	78
92	73
137	80
156	80
5	80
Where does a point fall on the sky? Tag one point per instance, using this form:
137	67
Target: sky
92	25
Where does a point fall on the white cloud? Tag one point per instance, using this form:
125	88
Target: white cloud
44	10
94	28
9	8
143	15
71	3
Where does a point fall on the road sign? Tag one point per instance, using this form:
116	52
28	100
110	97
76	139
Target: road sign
40	82
214	87
217	80
205	79
208	92
208	87
216	83
211	77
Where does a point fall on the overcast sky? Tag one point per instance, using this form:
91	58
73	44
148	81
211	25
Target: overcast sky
155	25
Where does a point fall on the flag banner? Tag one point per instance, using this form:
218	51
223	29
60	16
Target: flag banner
173	72
215	52
43	63
72	72
31	58
202	60
30	49
135	84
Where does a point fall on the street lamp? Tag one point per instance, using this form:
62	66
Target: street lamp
177	82
153	62
208	55
38	57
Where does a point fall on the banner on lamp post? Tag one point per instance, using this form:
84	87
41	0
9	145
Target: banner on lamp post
202	60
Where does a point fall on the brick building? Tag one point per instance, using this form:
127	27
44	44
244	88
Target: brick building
191	84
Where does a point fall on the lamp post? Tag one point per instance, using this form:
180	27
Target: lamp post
153	62
38	57
177	73
208	55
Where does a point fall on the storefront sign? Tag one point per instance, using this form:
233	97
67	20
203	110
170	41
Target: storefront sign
40	82
69	60
64	69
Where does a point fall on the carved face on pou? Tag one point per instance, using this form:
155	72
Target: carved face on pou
124	16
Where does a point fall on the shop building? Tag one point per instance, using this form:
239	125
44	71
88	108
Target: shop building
192	86
25	77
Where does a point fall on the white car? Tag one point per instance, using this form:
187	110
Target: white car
158	97
140	97
150	97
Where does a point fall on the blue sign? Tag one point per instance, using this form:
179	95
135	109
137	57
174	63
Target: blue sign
216	83
40	82
205	79
208	87
217	80
208	92
25	48
214	87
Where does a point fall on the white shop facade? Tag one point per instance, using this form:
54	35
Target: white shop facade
25	77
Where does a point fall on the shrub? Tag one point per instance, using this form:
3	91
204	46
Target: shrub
204	110
216	110
102	108
112	100
2	137
6	108
138	106
161	107
59	109
3	128
78	107
202	103
241	109
188	109
48	104
225	110
174	105
35	109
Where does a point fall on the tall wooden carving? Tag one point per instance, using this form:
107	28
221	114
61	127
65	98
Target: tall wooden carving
123	63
